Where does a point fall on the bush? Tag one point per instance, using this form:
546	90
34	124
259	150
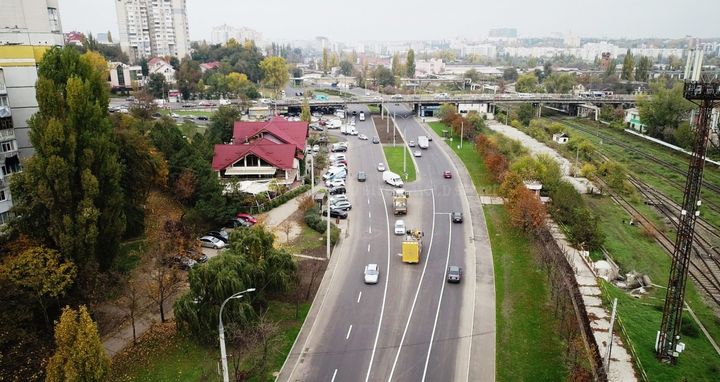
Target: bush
316	222
284	198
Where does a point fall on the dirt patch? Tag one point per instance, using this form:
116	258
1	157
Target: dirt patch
382	130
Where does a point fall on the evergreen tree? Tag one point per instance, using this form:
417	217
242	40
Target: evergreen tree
628	67
69	194
410	64
79	354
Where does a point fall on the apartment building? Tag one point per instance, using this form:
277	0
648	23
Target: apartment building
28	28
150	28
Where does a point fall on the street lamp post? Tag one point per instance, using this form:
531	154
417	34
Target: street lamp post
327	228
221	329
312	174
405	153
462	130
394	129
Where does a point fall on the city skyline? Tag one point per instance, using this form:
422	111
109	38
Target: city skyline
672	20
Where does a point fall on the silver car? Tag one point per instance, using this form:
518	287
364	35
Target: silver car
381	167
372	274
211	242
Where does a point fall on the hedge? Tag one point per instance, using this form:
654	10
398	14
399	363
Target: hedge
284	198
316	222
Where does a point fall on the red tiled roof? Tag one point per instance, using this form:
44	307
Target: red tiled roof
278	155
210	65
289	132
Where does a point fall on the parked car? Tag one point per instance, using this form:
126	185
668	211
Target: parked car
337	198
447	174
337	190
341	205
247	217
237	223
361	176
457	217
335	183
417	153
400	227
338	148
454	274
211	242
220	234
376	140
202	118
381	167
339	214
197	256
371	274
411	143
181	261
362	137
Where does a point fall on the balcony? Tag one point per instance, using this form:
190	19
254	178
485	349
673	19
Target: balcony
250	170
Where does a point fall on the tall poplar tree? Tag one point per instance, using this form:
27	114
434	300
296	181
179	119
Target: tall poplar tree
68	195
628	67
410	64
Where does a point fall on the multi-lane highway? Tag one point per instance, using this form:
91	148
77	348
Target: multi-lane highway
412	325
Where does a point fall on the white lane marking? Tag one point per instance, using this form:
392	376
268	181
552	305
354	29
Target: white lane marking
369	229
387	281
334	374
369	215
442	291
348	334
359	296
417	291
368	201
368	247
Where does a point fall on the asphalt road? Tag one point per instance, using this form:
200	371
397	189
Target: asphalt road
412	325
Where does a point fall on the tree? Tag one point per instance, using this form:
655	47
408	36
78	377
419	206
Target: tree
188	77
305	115
164	280
69	196
446	112
525	113
547	69
79	353
41	271
397	67
238	85
346	67
276	72
98	63
628	67
157	86
144	106
664	109
510	74
684	136
527	83
410	64
221	124
525	209
384	76
642	71
473	75
610	71
559	83
325	63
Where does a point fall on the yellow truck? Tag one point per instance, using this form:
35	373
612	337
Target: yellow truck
412	247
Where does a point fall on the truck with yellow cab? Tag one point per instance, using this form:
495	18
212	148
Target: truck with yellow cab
412	246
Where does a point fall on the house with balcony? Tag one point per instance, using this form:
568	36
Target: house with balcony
159	65
261	153
9	161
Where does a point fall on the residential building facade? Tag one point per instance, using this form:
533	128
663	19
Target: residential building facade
158	65
223	33
153	28
124	77
28	28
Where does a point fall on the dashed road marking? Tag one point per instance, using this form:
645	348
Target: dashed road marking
348	333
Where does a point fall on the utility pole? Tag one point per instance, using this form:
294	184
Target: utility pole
462	131
610	338
405	153
327	228
394	128
312	174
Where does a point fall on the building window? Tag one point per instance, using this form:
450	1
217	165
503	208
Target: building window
5	217
7	146
3	196
54	20
3	99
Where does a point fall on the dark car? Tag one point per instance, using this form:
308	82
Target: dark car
220	234
447	174
180	261
361	176
457	217
376	140
202	118
454	274
337	190
237	223
197	256
335	213
354	112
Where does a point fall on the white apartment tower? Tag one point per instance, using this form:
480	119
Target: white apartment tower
28	28
150	28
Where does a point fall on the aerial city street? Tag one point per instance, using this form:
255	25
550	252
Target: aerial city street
231	191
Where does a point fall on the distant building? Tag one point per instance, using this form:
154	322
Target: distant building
632	120
483	50
431	66
158	65
74	38
125	77
204	67
28	28
153	28
223	33
560	138
502	34
571	41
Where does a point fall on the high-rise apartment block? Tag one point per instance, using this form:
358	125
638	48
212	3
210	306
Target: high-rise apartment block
150	28
28	28
223	33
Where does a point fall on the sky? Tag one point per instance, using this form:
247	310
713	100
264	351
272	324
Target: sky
386	20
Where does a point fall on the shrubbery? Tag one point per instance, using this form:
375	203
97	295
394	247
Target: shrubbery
316	222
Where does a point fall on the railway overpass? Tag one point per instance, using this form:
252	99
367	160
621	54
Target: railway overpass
568	103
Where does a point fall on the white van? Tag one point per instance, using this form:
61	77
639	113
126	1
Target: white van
334	124
392	179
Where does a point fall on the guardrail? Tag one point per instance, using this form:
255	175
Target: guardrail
469	98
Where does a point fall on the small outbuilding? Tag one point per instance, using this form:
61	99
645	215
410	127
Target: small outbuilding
560	138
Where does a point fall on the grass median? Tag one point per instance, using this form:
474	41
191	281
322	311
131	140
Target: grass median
394	157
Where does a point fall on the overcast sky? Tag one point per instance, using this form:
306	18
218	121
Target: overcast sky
425	19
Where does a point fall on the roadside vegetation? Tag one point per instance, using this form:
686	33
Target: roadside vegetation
394	157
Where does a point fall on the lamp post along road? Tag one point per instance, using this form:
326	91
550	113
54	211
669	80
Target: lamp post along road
221	329
462	130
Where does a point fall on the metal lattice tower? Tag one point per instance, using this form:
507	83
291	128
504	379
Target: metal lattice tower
705	95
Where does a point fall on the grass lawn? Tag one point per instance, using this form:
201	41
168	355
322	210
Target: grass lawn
527	350
394	157
471	158
165	355
129	254
374	109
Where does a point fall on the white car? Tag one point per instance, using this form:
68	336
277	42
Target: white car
400	227
367	93
411	143
316	148
341	205
335	183
211	242
344	144
338	198
372	274
381	167
417	153
175	115
362	137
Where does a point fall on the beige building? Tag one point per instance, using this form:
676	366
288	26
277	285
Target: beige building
150	28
